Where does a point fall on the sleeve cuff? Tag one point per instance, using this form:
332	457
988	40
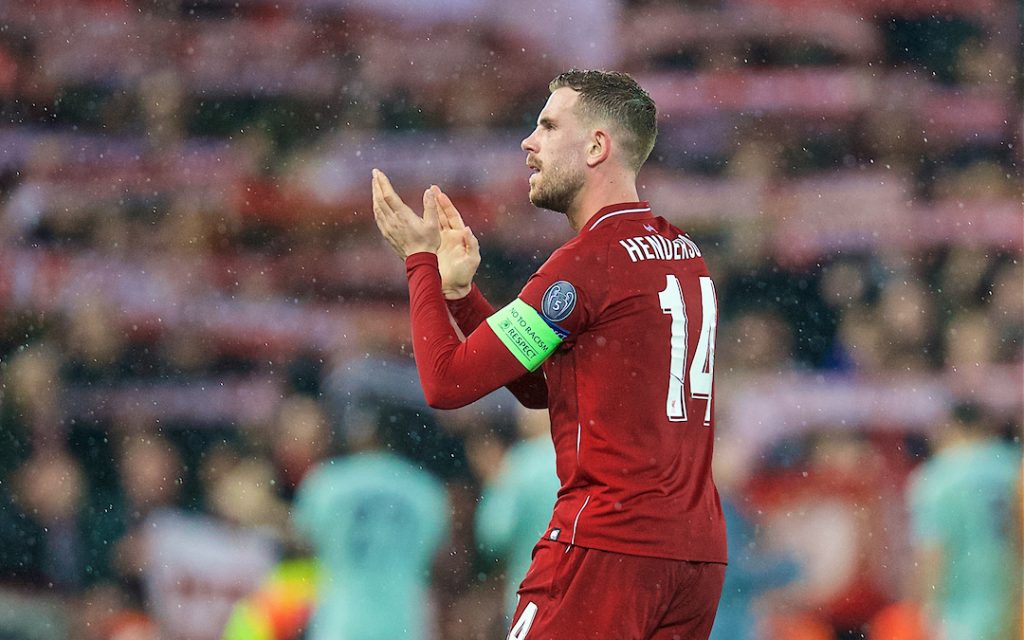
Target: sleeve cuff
471	299
420	258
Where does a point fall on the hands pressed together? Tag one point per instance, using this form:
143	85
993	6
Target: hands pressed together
440	231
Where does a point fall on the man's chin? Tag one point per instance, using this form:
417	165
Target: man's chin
547	205
537	199
543	200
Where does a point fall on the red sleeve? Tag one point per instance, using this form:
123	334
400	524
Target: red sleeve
531	390
453	373
471	310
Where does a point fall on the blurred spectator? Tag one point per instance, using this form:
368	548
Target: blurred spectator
151	473
33	396
753	571
1007	312
151	476
965	531
94	344
900	621
282	606
376	523
299	440
104	614
518	498
50	544
861	342
971	343
907	319
759	341
245	495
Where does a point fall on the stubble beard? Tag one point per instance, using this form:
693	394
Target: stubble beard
557	190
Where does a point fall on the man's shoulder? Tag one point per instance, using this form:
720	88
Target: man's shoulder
578	255
581	244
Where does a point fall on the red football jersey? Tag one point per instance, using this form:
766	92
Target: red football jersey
630	389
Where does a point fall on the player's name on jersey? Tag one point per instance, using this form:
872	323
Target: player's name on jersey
655	247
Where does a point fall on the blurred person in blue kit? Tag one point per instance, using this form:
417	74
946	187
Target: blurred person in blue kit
376	522
516	504
965	529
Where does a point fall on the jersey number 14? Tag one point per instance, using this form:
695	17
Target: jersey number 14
702	367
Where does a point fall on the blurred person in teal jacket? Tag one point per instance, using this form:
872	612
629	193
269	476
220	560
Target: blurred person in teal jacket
517	501
965	531
376	522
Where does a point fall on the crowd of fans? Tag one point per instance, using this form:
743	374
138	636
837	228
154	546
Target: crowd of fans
193	298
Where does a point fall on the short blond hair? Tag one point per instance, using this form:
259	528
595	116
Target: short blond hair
617	97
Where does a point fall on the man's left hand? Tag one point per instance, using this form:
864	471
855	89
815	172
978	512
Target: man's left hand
406	232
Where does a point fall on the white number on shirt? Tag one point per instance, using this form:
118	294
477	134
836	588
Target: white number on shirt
672	303
703	366
523	624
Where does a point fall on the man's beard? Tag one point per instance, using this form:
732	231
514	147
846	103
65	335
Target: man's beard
557	191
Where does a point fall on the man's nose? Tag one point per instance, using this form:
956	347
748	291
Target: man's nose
527	144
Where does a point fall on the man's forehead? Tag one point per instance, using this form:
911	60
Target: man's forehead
560	102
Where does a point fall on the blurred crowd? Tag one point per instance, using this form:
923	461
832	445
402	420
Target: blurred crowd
195	308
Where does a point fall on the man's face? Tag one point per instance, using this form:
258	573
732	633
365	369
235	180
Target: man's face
555	153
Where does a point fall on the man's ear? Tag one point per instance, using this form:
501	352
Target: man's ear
599	148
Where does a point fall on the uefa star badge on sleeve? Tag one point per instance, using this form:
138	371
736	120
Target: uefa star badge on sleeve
559	301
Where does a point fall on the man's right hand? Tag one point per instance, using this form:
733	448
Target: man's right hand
458	257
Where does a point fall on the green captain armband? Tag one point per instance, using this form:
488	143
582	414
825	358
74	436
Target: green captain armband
525	333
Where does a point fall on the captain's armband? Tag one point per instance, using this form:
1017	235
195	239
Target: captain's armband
525	333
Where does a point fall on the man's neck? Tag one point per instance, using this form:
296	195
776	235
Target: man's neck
593	198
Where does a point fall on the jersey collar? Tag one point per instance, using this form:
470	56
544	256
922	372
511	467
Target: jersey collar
620	211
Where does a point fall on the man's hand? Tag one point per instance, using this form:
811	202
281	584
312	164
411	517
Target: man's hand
459	254
405	231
